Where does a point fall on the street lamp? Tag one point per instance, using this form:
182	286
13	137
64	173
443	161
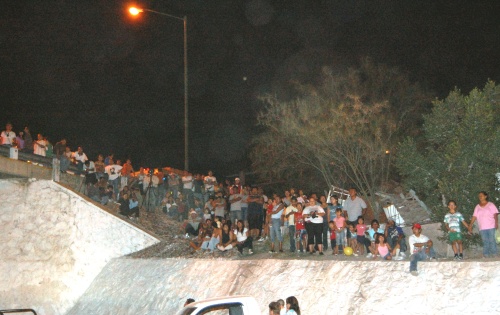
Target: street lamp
137	11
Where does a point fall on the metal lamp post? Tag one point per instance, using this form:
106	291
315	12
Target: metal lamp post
136	11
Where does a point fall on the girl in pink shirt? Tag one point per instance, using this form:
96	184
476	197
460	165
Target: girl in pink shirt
361	229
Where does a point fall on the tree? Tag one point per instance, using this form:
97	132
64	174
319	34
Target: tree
460	152
344	130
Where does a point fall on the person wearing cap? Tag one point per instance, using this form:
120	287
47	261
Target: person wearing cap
192	224
420	247
395	235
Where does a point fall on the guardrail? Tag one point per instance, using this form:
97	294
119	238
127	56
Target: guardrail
20	310
33	158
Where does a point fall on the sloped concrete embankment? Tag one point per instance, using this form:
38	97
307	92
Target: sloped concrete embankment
160	286
53	243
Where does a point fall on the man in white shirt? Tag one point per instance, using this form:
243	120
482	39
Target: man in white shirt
290	219
210	182
80	158
420	248
187	188
235	201
354	206
113	171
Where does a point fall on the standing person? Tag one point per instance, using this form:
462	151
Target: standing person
127	168
40	146
210	182
8	135
486	214
452	223
420	247
361	229
244	204
340	227
59	150
28	141
187	188
275	225
219	205
254	215
292	306
315	214
198	187
80	158
235	208
290	212
300	230
324	205
113	171
354	206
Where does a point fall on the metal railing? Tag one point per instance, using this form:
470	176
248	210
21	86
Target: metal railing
33	158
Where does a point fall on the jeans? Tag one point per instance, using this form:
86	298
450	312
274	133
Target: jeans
64	163
402	243
291	233
340	237
420	256
276	230
489	244
244	213
210	245
325	233
115	183
235	215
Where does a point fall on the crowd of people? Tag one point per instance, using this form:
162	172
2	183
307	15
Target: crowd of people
225	215
314	225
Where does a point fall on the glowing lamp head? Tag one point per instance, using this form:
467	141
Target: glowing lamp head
134	11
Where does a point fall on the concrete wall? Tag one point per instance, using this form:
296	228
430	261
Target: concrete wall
53	243
152	286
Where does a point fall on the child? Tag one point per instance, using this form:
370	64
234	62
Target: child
382	247
333	235
352	241
300	231
339	231
360	234
452	222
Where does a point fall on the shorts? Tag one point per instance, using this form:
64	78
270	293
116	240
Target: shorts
301	233
254	221
455	236
387	256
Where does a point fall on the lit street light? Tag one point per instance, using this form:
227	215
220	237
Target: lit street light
137	11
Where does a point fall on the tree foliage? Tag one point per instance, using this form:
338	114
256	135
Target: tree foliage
460	152
339	131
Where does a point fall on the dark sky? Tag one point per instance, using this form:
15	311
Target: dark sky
86	71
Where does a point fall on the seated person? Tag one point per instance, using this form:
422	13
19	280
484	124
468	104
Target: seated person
395	235
125	207
192	225
242	238
370	240
227	238
421	248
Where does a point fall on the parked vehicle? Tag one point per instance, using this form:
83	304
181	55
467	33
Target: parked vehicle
228	305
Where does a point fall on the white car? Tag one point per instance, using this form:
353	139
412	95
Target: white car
228	305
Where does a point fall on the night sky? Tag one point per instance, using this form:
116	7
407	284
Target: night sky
87	71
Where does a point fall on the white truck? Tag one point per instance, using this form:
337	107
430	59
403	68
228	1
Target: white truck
229	305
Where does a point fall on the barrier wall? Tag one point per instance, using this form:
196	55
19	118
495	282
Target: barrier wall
53	243
152	286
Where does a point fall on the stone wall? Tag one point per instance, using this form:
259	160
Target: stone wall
53	243
153	286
